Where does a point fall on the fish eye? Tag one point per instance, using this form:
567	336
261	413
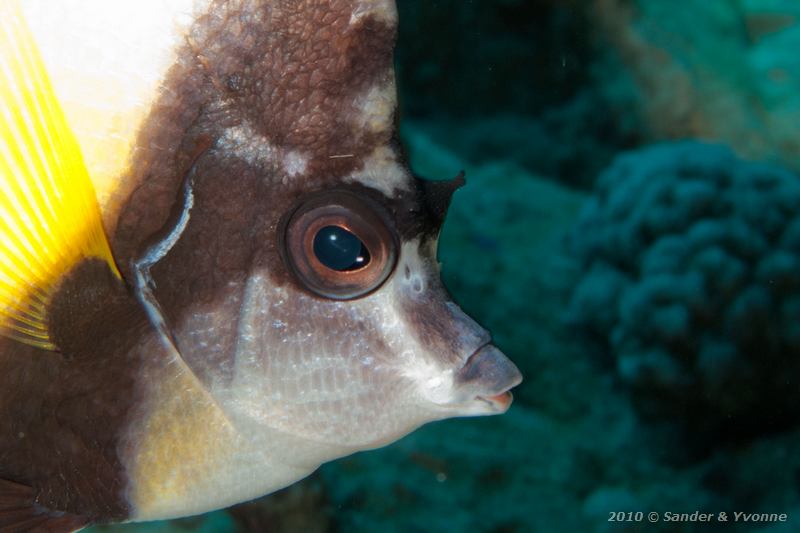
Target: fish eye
338	244
340	250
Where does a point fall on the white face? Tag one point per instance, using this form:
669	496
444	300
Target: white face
353	374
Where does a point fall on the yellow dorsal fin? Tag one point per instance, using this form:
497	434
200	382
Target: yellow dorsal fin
49	217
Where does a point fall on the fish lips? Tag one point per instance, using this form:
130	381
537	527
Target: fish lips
483	384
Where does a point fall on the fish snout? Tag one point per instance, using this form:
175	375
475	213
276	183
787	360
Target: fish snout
483	384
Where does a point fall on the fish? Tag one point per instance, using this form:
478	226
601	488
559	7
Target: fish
217	270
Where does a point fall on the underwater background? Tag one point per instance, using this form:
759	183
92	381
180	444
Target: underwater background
630	233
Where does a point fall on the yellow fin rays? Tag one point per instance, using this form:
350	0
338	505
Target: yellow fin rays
49	217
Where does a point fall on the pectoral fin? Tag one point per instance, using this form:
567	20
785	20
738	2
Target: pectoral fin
19	512
49	217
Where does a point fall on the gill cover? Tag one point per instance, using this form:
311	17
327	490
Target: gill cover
49	217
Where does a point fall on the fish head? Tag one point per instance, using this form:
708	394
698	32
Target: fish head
359	353
318	311
296	266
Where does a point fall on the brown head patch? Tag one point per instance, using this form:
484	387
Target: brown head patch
286	76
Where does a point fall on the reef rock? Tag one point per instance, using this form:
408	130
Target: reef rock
721	71
690	280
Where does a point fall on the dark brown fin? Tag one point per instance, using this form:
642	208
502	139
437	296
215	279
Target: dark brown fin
19	513
437	195
51	220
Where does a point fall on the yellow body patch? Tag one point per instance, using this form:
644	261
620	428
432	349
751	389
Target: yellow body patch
183	443
186	456
49	217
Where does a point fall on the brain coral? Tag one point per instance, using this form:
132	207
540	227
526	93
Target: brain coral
690	262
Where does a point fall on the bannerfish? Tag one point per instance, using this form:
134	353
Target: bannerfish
217	271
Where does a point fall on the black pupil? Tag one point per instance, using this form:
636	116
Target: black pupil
340	250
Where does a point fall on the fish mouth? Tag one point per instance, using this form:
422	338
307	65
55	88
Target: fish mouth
499	402
482	386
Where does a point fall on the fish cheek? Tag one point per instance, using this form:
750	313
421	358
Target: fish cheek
308	367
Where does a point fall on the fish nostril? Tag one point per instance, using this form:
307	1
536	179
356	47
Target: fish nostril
488	372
